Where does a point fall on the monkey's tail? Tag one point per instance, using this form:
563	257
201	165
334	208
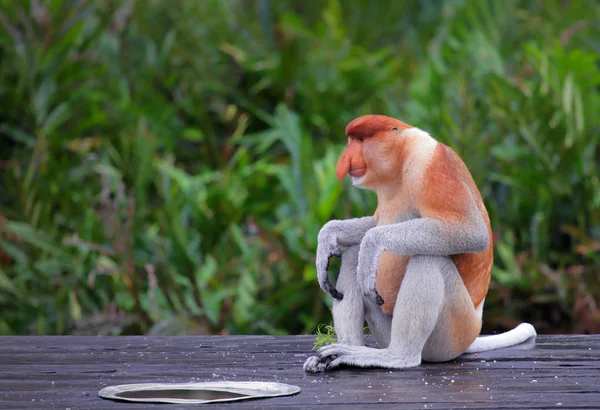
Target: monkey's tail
513	337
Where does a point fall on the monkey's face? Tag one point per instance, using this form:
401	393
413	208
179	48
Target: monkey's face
373	155
368	160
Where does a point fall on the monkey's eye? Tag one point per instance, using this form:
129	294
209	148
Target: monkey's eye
394	129
361	139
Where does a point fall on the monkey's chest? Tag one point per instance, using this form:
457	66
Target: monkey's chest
390	273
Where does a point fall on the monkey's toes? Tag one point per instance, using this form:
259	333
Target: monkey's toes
311	364
314	364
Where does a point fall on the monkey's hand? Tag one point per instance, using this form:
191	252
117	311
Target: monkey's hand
327	246
368	261
332	235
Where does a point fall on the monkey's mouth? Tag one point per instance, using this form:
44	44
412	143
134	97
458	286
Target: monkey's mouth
358	172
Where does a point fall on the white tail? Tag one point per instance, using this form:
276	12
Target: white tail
513	337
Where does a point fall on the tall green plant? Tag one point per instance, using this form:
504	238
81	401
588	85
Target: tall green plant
166	166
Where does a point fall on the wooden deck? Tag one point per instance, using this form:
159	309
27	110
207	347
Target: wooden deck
67	372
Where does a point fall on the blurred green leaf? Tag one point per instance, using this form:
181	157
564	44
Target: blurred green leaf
170	164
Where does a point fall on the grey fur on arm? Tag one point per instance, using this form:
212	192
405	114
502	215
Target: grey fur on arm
422	236
332	235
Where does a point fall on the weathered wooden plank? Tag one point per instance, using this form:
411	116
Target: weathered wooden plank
556	371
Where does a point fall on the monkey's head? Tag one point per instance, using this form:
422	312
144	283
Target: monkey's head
375	148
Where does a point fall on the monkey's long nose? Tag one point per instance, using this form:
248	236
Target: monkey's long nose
343	166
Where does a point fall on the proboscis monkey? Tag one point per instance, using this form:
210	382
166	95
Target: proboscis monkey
418	270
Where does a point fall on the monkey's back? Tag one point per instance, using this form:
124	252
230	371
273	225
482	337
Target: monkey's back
474	268
450	198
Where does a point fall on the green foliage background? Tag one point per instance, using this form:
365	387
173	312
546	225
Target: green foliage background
166	165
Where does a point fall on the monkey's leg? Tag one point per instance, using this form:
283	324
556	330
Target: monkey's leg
459	322
380	324
348	313
425	301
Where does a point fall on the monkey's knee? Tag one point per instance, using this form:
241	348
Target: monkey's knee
425	273
426	263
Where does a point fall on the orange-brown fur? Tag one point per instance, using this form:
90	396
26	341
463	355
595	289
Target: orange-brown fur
390	272
444	192
462	328
445	197
369	125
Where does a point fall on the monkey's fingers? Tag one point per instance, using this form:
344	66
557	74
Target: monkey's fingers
332	291
329	288
374	297
378	299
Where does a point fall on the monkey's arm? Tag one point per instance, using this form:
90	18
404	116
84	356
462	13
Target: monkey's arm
332	235
423	236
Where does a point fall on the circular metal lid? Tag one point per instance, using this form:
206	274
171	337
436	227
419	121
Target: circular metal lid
196	393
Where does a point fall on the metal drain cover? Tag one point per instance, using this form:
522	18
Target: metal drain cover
196	393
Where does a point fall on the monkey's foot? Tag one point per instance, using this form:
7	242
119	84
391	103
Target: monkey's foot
333	356
314	365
